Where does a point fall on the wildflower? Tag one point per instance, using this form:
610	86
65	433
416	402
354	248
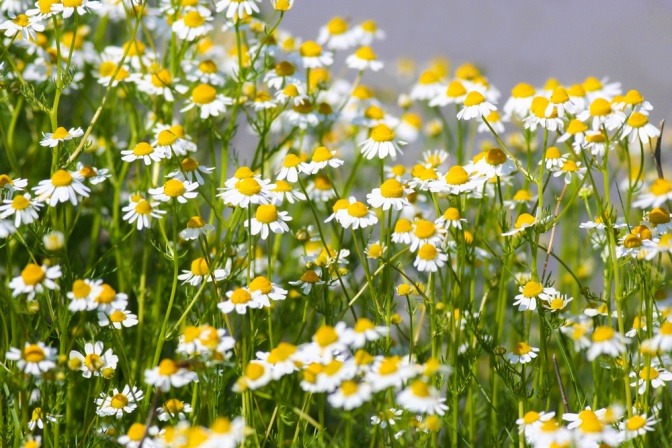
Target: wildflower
60	135
268	219
11	185
291	167
313	56
569	169
403	231
561	101
575	130
266	290
336	35
606	341
173	409
22	207
475	106
240	299
143	151
168	374
495	163
530	292
196	226
283	191
524	221
226	433
451	218
426	232
281	76
118	319
520	102
655	375
141	211
159	82
37	419
208	101
193	24
381	143
367	31
660	191
350	395
455	93
522	353
94	361
386	418
600	88
363	331
325	343
557	302
136	436
200	271
457	180
120	403
631	245
364	58
53	240
175	189
27	26
429	86
109	299
390	195
83	293
250	190
531	422
321	158
257	374
34	359
357	216
637	425
429	258
662	341
63	186
375	250
602	114
34	279
423	398
541	116
94	175
308	280
172	141
237	8
69	8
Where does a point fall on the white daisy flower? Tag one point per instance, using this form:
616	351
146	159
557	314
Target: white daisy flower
541	116
257	374
250	190
336	35
68	8
145	152
119	403
530	292
196	226
93	361
313	56
83	294
22	207
524	221
428	87
654	375
421	397
240	300
522	353
362	332
451	218
175	189
350	395
429	258
637	425
426	232
109	300
282	359
63	186
193	24
159	83
22	23
381	143
519	104
660	191
495	163
225	433
391	194
9	185
208	101
308	280
34	359
475	106
141	211
137	435
602	114
364	59
266	290
605	340
94	175
357	215
118	319
237	8
291	166
61	134
190	170
169	375
34	279
173	409
201	271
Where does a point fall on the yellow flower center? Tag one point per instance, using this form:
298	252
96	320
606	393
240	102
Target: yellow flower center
370	26
522	348
591	425
363	324
575	126
648	373
72	3
602	334
33	353
337	25
310	49
107	294
424	229
424	173
304	108
402	226
193	19
20	203
382	133
292	160
569	166
166	138
375	250
358	210
659	215
632	241
637	120
635	422
451	214
174	405
285	68
240	296
427	252
559	96
248	186
61	178
374	113
142	149
531	417
532	289
389	365
591	84
495	156
60	134
660	187
119	401
457	175
208	67
188	164
107	69
203	94
281	353
282	186
349	388
195	222
392	188
266	213
522	90
633	97
143	207
455	89
117	316
45	5
420	389
524	220
557	303
137	48
162	78
243	172
474	98
310	277
366	53
200	267
222	425
167	367
94	362
596	138
322	154
136	432
428	77
467	71
600	107
553	153
174	188
290	91
32	274
539	105
522	195
254	371
325	336
81	289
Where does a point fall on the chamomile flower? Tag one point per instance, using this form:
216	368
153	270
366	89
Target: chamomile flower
495	122
119	402
381	143
391	194
205	98
530	292
83	293
654	375
93	361
138	435
172	140
80	6
362	332
375	250
541	116
201	271
6	228
458	180
403	231
22	207
600	113
454	93
225	433
357	215
605	340
141	212
257	374
662	340
284	191
173	409
336	35
292	165
240	300
190	170
364	59
307	281
600	88
237	8
428	87
145	152
569	169
519	103
265	290
109	299
22	23
495	163
61	134
196	226
193	24
176	189
421	397
321	158
313	56
34	279
366	32
523	222
118	319
34	359
350	395
531	422
168	374
246	191
429	258
63	186
637	127
637	425
557	302
631	245
426	232
451	218
575	131
475	106
9	185
268	219
522	353
659	192
553	159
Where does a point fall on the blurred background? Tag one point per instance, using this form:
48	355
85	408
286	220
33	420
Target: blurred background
519	40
